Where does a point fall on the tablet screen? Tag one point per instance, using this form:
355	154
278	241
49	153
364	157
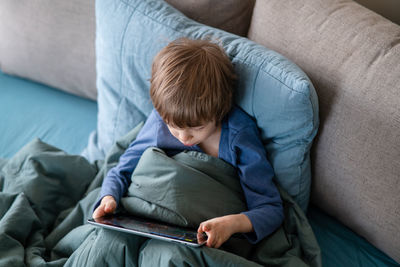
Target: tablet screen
148	228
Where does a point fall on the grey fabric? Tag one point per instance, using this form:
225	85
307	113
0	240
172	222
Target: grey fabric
230	15
43	206
51	42
390	9
163	192
352	55
191	187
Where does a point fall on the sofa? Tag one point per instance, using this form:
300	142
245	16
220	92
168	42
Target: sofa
55	85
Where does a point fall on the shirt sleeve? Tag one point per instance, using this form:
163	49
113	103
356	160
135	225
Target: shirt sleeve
118	178
256	177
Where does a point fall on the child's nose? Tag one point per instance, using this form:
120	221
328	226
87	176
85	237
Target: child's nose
185	137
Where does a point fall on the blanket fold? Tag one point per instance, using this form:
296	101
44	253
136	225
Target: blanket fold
46	196
192	187
184	190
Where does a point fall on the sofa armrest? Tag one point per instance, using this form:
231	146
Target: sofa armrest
352	56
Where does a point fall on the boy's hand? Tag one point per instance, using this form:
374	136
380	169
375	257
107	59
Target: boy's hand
220	229
107	205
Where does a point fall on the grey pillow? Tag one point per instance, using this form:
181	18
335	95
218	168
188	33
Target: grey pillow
352	55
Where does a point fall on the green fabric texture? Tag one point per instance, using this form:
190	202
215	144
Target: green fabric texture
185	190
48	177
192	187
47	195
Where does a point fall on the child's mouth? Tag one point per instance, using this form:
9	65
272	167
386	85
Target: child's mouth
187	144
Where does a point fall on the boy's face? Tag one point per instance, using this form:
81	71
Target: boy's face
194	135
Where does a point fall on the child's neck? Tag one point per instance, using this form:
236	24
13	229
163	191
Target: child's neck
210	146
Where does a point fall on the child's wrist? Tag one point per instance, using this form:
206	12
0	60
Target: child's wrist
241	224
108	197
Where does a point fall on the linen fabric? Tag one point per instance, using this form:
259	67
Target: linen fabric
163	193
46	197
271	89
162	189
51	42
352	55
229	15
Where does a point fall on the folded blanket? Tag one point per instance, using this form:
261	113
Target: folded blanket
46	196
192	187
184	190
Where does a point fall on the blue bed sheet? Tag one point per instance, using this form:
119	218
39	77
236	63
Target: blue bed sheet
340	246
29	110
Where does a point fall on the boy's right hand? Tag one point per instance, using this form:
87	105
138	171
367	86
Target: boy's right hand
107	205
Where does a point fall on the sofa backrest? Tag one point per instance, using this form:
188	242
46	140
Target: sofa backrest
352	56
53	42
50	42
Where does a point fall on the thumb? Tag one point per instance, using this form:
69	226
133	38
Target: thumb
200	229
109	207
99	212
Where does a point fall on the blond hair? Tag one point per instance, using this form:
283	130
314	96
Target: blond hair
192	83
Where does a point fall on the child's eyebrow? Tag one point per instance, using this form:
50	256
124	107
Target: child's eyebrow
197	127
186	127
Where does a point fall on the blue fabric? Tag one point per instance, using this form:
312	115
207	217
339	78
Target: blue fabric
29	110
340	246
240	146
271	89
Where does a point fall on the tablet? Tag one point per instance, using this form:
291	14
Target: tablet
149	228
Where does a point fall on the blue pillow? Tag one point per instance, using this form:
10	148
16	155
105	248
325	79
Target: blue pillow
271	89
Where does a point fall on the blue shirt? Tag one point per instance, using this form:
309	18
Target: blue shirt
240	145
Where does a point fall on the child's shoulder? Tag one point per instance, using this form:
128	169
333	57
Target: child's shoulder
239	120
153	122
154	116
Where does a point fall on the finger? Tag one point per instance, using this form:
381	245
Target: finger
109	207
210	240
200	237
99	212
206	226
200	229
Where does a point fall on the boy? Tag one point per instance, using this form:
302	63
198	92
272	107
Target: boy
191	90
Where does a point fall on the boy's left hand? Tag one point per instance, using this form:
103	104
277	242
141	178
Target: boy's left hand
220	229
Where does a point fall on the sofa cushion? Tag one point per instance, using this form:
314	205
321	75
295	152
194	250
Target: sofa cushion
353	57
271	89
51	42
230	15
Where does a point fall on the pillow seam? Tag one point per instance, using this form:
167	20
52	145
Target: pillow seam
121	74
254	87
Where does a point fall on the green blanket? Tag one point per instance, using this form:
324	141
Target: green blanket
47	195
